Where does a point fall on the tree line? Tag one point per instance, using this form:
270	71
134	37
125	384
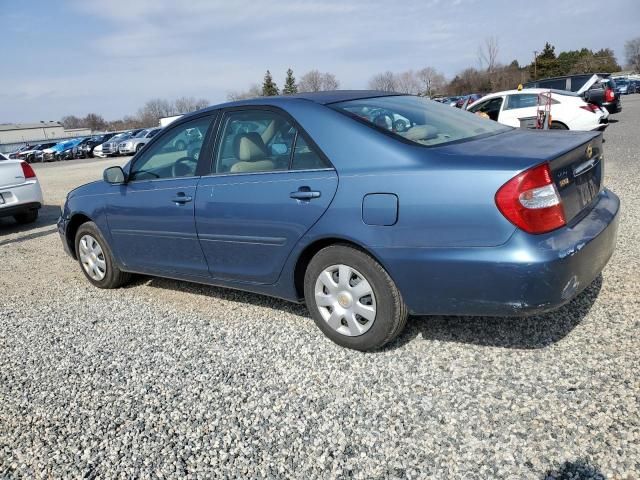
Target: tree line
490	75
148	115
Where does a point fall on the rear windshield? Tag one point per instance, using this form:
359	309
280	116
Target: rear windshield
418	120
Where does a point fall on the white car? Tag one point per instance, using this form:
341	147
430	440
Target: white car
518	108
20	193
97	152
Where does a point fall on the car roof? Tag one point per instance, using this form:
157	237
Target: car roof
533	90
322	98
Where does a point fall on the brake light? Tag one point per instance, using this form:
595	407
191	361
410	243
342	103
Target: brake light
590	107
27	170
531	201
609	95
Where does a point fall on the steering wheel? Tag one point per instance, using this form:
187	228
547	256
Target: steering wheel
183	167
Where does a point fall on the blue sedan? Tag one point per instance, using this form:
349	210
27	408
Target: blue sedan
365	205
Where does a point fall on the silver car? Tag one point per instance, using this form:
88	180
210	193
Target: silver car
134	144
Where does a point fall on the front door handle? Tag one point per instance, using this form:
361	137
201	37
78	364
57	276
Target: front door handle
181	198
304	193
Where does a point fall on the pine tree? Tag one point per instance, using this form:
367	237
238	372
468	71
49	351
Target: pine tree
290	87
269	87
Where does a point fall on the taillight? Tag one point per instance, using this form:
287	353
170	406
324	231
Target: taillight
27	170
609	95
590	107
531	201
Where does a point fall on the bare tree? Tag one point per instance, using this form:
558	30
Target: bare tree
632	53
95	122
407	82
71	121
189	104
254	90
385	82
316	81
431	81
154	110
488	53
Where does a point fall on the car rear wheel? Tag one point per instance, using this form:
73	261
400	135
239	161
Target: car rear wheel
96	259
352	299
558	126
26	217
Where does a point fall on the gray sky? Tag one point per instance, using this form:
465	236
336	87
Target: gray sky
109	57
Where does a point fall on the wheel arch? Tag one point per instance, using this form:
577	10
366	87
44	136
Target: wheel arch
76	220
314	247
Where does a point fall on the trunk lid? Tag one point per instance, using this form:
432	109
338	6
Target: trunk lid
11	173
578	175
577	170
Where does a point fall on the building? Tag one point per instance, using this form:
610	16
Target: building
14	135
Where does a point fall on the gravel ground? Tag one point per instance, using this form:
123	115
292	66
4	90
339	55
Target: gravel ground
167	379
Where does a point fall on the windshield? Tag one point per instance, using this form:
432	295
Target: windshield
141	133
419	120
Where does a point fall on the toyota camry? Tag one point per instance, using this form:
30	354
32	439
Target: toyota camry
368	206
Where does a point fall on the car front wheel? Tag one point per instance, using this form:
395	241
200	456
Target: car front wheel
96	259
352	299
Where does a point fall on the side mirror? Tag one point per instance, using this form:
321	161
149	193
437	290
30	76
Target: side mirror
114	175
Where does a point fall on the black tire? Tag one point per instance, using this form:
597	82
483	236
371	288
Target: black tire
26	217
391	311
139	147
113	276
558	126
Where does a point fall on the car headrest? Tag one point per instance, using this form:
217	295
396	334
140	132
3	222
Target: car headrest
249	147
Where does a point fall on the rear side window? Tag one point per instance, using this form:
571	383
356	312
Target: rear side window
255	141
418	120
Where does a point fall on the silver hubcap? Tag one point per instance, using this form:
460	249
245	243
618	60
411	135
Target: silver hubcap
345	300
92	257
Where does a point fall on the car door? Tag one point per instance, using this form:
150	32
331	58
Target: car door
520	110
269	184
151	216
491	107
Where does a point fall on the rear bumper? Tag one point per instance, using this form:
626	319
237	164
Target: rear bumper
529	274
20	198
17	209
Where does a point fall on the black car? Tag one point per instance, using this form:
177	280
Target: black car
85	149
598	88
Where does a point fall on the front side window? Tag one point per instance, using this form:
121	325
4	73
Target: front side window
173	155
490	107
255	141
419	120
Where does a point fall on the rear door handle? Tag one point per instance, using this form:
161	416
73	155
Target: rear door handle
181	198
304	193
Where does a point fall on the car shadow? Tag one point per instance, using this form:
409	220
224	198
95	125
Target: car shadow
220	293
576	470
532	332
47	217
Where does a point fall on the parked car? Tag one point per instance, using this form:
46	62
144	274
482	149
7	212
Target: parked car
19	150
135	143
52	154
70	151
34	152
85	150
467	100
20	193
110	147
457	215
519	108
97	151
622	86
594	88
